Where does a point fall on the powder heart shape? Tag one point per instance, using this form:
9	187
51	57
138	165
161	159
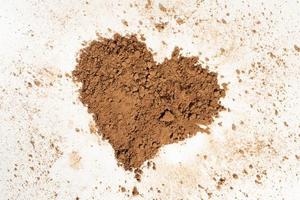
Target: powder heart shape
140	105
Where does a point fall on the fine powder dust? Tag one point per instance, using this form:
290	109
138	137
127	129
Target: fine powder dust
139	105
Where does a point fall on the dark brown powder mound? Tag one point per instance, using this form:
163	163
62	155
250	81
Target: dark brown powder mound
139	105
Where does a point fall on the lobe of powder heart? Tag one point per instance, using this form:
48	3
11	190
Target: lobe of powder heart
140	105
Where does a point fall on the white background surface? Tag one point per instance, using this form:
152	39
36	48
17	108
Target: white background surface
48	152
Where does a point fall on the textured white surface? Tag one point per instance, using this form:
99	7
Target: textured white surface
48	152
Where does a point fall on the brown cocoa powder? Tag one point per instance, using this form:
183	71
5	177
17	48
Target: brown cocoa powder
135	191
139	105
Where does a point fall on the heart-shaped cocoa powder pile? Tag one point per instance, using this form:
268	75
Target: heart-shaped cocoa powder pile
140	105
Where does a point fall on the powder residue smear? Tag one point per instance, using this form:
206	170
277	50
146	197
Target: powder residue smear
140	105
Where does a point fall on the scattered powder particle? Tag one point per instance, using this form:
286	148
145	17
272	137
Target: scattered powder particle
222	50
135	191
124	22
138	177
68	75
221	182
179	21
162	8
37	83
258	180
148	164
235	176
258	177
143	37
161	26
139	105
148	4
154	166
233	127
284	158
138	174
123	189
297	48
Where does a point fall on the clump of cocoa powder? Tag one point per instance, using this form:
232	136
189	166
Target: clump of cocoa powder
139	105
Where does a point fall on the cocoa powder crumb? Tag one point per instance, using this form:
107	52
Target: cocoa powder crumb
233	127
235	176
68	75
220	182
161	26
123	189
143	37
179	21
167	116
135	191
297	48
138	174
37	83
162	8
124	22
224	21
139	105
154	166
148	4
